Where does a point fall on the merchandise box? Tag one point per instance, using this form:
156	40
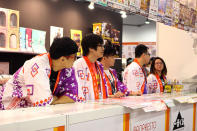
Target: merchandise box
13	19
13	39
28	39
4	18
38	41
3	39
22	34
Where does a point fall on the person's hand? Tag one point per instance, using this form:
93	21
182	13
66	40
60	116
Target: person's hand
135	93
54	99
118	94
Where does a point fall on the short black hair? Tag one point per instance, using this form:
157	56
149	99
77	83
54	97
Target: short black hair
109	50
64	46
153	70
90	41
140	49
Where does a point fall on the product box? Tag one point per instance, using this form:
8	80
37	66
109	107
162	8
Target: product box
28	39
38	41
13	19
3	18
3	39
13	39
22	34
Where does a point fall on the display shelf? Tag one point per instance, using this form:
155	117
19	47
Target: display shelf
20	52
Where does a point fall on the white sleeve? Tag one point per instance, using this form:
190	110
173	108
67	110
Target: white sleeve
130	80
80	76
37	82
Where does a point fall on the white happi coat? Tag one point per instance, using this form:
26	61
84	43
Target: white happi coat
153	84
133	77
85	81
29	83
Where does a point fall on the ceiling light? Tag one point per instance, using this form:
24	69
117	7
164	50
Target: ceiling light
91	5
123	14
147	22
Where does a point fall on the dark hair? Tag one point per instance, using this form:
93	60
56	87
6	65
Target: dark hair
153	70
109	50
90	41
62	47
140	49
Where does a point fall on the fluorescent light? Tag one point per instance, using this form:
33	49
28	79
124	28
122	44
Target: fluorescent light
123	14
91	5
147	22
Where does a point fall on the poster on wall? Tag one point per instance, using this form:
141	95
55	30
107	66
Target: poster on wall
168	12
153	10
38	41
55	32
192	4
106	30
176	12
76	35
161	9
128	49
97	28
193	15
115	36
144	7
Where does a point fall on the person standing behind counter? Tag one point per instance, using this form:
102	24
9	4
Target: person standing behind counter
115	87
43	80
157	78
89	72
133	76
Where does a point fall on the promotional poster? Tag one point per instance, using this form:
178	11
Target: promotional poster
55	32
76	35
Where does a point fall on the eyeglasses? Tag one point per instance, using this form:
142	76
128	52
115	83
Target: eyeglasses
159	63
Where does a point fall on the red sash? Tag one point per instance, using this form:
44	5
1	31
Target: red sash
108	82
95	84
143	85
160	83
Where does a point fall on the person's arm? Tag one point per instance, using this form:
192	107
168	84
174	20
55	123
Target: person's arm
62	100
37	82
132	82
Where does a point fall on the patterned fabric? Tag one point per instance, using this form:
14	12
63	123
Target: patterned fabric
86	87
120	86
29	86
134	79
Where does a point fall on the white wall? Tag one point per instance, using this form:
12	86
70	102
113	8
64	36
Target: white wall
145	33
175	46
